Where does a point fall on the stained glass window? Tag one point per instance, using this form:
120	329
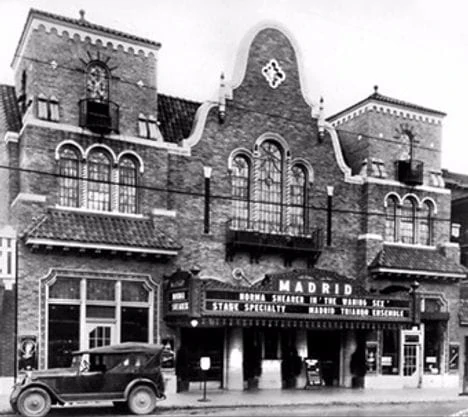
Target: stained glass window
240	192
270	187
298	200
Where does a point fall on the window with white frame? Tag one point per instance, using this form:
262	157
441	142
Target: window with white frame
69	177
89	183
84	312
99	181
147	127
48	108
128	174
409	222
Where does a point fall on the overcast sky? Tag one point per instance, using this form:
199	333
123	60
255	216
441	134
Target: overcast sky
415	50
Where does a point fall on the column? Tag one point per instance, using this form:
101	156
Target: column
235	374
347	349
302	351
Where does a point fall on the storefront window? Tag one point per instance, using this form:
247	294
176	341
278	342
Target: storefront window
433	342
64	334
134	325
390	352
65	289
134	291
100	290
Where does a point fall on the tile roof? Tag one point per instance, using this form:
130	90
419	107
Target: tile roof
403	258
88	25
376	96
98	229
176	117
10	117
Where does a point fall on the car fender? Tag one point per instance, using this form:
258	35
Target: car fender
140	381
53	394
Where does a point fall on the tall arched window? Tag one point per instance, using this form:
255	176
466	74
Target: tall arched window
425	224
99	181
270	187
240	189
69	172
408	221
97	82
128	185
298	193
391	219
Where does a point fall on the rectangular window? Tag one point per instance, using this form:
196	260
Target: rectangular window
142	127
64	334
42	112
7	257
390	352
54	111
152	130
134	324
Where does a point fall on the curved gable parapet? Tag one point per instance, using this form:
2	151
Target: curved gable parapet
345	169
198	124
269	73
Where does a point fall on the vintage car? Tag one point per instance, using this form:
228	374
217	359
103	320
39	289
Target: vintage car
128	374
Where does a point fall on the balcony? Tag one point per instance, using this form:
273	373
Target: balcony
410	171
306	243
99	116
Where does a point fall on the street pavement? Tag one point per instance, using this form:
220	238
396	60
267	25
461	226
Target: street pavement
319	397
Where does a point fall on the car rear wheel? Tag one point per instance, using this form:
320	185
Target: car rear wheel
34	402
142	400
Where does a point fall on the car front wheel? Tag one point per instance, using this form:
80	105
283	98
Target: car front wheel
34	402
141	400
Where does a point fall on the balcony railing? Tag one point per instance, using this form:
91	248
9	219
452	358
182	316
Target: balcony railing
410	171
99	116
258	238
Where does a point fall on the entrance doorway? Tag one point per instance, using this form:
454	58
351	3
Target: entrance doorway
324	345
200	342
411	358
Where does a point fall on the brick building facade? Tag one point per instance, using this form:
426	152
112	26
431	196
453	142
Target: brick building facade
251	230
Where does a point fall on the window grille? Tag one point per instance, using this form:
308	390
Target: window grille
407	221
425	224
391	220
240	192
127	186
298	200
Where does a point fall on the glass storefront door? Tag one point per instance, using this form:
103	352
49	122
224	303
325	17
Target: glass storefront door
411	358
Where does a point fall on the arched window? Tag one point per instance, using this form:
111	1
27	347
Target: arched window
408	221
97	82
69	174
298	193
270	187
391	219
240	190
425	224
99	181
128	185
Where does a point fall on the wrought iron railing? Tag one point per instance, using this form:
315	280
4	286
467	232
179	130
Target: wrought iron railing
99	116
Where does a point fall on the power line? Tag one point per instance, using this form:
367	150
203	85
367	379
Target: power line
241	108
225	197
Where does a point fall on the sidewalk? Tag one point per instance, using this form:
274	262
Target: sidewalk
331	396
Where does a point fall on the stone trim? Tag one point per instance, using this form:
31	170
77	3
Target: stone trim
163	212
63	29
94	246
11	137
386	108
421	273
30	198
394	183
370	236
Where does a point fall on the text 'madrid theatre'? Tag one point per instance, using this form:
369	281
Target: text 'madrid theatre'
320	239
